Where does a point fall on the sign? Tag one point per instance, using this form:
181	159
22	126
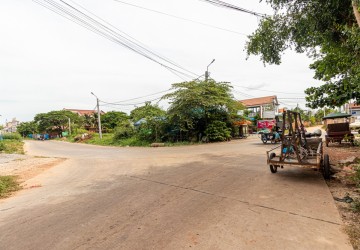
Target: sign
266	124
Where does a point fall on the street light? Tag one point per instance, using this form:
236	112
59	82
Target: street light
207	70
98	110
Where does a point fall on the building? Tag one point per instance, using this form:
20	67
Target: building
266	107
83	112
11	127
354	111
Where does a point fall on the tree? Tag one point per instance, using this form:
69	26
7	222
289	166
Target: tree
26	128
146	111
328	32
111	119
56	121
196	104
151	118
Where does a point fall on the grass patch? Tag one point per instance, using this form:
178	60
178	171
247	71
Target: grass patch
12	146
108	140
8	184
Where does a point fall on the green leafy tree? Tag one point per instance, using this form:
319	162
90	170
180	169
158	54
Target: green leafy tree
56	121
319	114
152	119
124	129
328	32
195	104
26	128
111	119
146	111
218	131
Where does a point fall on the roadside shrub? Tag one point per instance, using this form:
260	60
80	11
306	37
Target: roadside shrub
356	176
124	130
218	131
12	136
8	184
2	146
355	205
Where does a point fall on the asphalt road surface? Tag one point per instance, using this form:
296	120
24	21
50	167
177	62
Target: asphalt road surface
214	196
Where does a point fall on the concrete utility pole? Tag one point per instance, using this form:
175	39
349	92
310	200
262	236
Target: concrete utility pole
207	70
98	111
69	126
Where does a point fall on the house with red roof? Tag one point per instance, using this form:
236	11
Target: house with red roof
266	107
83	112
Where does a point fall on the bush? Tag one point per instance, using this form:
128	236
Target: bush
2	146
8	184
218	131
12	136
124	130
355	205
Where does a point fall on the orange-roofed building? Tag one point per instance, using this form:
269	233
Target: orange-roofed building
266	107
83	112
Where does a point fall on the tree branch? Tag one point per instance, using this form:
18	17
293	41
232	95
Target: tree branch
356	12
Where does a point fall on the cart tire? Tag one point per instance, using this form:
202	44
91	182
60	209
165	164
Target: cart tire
273	168
263	138
326	167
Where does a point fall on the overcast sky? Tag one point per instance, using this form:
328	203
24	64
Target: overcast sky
49	63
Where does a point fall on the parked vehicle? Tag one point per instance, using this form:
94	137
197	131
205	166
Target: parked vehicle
297	149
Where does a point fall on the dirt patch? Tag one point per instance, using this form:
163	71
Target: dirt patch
26	167
343	189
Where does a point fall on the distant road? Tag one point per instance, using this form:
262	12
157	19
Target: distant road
214	196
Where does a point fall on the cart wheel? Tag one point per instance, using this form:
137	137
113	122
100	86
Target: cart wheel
263	138
326	167
273	168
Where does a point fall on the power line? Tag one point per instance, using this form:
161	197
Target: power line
85	20
233	7
136	98
264	90
181	18
129	104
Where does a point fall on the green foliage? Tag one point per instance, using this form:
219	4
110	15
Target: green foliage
26	128
10	146
111	119
146	111
125	129
327	32
355	205
11	136
2	146
56	121
8	184
320	113
218	131
356	176
195	104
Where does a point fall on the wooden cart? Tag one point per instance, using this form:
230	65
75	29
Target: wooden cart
296	149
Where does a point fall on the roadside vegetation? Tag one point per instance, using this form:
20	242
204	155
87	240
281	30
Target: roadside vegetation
8	185
11	143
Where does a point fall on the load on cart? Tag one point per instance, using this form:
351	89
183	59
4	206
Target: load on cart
298	148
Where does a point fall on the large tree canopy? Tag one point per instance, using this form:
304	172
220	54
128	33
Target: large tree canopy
195	105
328	32
56	121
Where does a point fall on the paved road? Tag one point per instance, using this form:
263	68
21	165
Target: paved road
215	196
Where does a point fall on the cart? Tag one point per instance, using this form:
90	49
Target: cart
296	149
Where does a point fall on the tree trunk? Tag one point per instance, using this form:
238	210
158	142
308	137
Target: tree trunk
356	12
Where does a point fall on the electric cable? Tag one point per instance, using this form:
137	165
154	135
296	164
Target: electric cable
73	14
233	7
181	18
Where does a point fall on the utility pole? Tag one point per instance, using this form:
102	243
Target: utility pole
207	70
69	126
98	111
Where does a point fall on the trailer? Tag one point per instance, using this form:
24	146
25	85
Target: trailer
298	148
